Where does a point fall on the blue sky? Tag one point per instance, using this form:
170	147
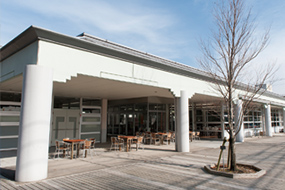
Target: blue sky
167	28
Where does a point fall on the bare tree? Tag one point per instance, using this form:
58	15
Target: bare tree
226	58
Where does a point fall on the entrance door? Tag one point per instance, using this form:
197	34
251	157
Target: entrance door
65	124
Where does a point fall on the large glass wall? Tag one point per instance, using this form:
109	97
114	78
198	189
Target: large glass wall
253	120
128	119
157	117
208	120
277	120
79	118
90	119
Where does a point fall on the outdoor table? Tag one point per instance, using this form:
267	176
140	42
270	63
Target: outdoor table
128	139
73	141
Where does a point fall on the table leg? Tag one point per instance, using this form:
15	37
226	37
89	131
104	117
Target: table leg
127	145
78	150
72	150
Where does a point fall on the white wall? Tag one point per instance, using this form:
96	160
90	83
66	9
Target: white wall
15	64
68	62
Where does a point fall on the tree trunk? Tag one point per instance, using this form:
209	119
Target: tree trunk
232	153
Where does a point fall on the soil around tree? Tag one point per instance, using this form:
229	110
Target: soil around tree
243	171
240	169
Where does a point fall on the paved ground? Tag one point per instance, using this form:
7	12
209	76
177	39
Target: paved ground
160	167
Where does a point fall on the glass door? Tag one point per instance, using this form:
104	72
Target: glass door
91	122
65	124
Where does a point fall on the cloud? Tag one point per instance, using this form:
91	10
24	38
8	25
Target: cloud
132	23
116	17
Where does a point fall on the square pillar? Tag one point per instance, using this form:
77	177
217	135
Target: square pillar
33	141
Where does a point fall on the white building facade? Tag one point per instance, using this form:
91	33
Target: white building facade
55	86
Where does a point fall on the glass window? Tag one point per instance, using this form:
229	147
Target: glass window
13	97
8	143
91	119
9	130
10	107
90	128
91	110
160	107
87	136
66	103
6	118
91	102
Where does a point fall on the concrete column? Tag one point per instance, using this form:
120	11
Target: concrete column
238	110
183	127
263	119
268	120
104	114
147	119
33	141
194	116
284	119
167	118
177	122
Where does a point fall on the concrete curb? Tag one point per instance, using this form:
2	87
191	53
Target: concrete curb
259	173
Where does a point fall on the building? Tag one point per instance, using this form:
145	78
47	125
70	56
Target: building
55	86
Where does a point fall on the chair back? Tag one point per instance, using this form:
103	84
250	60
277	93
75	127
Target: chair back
57	144
93	141
113	140
140	139
87	143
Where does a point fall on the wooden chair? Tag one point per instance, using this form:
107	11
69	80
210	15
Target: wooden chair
85	148
147	138
155	138
117	143
167	138
138	142
173	137
197	135
93	144
61	146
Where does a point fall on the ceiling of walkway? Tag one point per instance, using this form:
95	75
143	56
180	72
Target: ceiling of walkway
92	87
200	98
